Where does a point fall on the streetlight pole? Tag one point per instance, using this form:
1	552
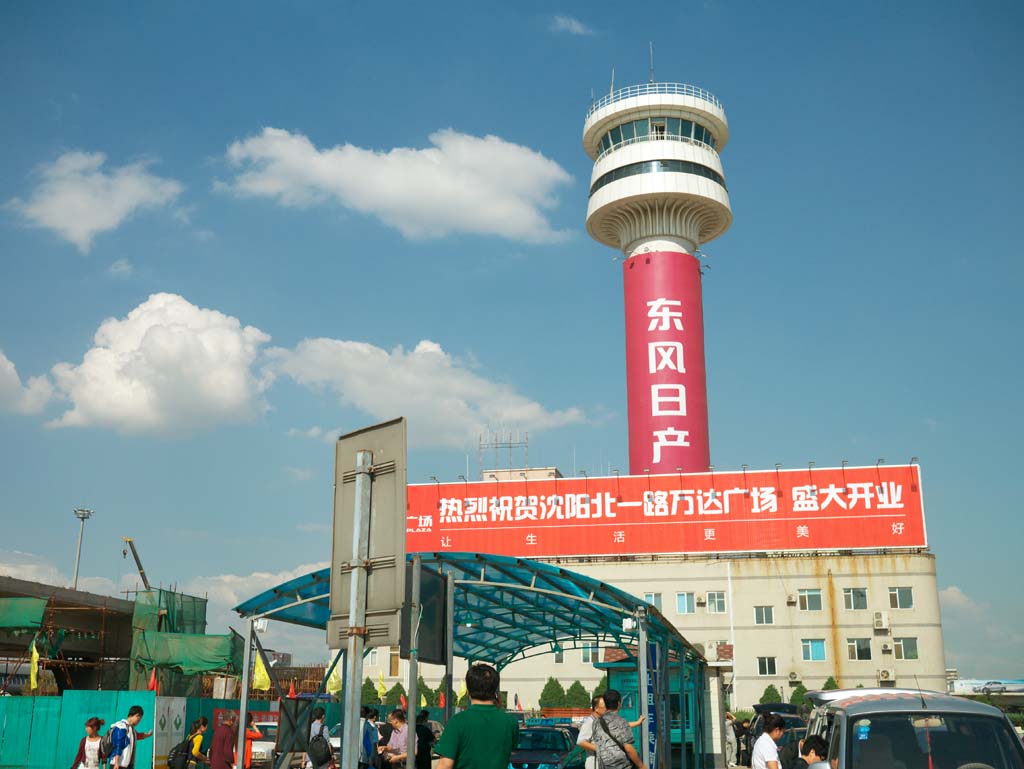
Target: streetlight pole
82	515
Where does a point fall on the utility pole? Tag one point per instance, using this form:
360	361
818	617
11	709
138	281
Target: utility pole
82	515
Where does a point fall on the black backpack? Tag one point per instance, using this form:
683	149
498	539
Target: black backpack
178	756
319	749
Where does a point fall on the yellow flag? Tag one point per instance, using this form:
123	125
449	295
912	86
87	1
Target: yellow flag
423	700
462	692
33	670
382	690
260	677
334	682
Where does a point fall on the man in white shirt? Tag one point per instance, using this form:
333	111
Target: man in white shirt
586	736
766	754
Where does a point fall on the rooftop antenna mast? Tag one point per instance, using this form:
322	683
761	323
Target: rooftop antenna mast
611	88
651	44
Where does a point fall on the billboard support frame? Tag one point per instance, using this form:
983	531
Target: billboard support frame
357	606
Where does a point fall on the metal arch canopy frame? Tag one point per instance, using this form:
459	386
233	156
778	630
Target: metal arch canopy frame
505	608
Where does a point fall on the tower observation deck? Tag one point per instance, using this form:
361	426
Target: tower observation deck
657	193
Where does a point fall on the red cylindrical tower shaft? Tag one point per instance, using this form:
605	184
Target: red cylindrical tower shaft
665	375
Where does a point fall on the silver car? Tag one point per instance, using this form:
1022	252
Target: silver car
915	730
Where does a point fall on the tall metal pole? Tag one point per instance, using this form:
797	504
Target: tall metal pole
414	668
645	705
449	645
82	515
243	705
357	609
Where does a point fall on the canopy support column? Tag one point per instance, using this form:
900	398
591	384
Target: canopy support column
243	705
642	677
414	668
449	645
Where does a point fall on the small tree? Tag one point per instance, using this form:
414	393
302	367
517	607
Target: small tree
394	695
553	694
771	695
799	695
576	696
830	683
602	686
369	695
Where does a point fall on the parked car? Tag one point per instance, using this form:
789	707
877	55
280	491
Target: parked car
263	750
548	746
912	728
784	709
991	687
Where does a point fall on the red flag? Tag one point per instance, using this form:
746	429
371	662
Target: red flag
291	690
401	698
440	700
152	681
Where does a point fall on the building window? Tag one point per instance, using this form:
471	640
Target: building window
657	166
764	615
858	648
855	598
657	130
393	671
371	657
901	598
813	649
559	657
809	600
716	602
590	654
685	603
654	599
766	666
905	648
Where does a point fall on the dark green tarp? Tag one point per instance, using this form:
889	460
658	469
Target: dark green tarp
188	653
22	612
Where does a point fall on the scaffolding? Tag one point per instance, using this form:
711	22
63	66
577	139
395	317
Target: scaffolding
499	442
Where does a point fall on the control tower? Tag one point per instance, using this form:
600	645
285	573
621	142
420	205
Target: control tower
657	193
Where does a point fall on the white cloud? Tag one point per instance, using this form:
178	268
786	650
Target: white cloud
35	568
570	25
122	268
300	474
446	403
167	367
312	432
30	398
225	591
460	184
77	199
954	599
980	641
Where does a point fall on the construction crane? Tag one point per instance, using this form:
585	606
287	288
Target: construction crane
138	561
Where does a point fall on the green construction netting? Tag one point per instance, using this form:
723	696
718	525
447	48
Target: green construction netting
169	612
168	635
22	612
189	653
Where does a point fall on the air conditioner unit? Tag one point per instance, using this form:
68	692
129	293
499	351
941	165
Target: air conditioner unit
702	600
886	674
794	676
886	648
881	620
791	600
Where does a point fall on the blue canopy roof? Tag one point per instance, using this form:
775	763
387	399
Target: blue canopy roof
505	608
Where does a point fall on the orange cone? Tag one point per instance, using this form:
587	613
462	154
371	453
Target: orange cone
152	681
291	690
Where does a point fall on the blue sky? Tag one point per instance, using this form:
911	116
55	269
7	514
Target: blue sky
350	211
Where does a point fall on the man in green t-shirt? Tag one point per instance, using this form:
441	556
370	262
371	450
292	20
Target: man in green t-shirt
483	736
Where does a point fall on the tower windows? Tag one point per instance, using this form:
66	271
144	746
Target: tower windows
657	128
656	166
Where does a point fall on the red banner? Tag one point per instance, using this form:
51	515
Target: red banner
772	510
